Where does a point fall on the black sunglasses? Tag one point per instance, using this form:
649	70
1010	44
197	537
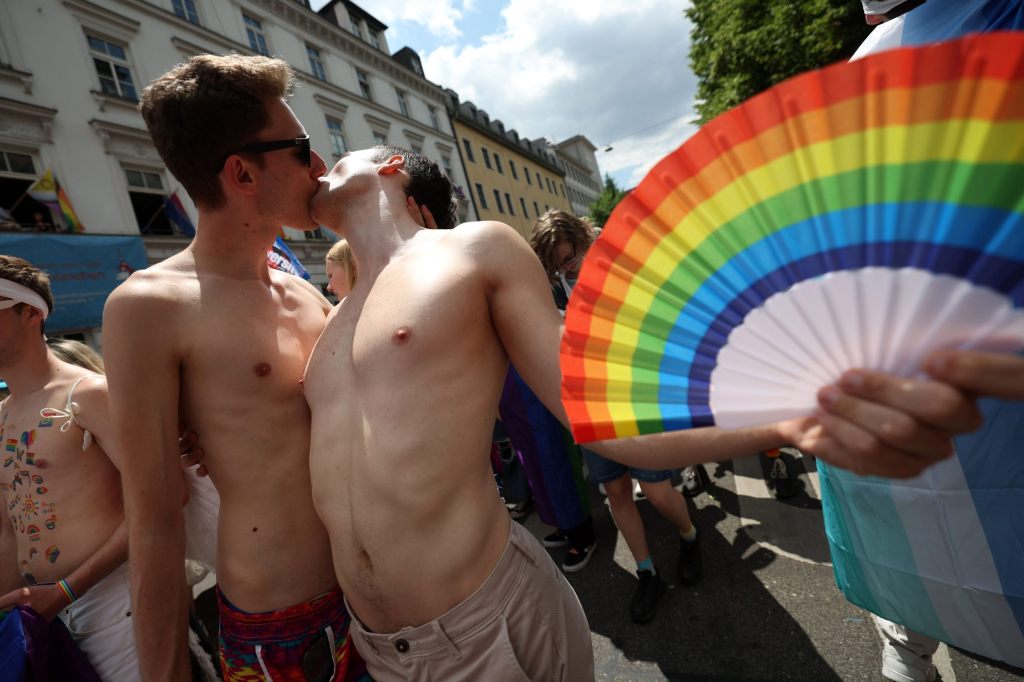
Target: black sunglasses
273	145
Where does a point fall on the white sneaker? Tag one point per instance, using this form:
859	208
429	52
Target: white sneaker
902	665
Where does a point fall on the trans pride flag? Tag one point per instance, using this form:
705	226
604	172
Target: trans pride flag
942	553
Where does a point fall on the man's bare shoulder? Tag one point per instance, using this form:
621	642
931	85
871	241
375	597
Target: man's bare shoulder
172	283
297	286
485	232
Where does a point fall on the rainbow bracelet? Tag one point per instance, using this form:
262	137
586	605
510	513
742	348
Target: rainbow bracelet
69	594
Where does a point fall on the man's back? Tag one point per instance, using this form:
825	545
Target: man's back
241	392
403	388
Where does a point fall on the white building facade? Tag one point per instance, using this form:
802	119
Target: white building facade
71	72
583	180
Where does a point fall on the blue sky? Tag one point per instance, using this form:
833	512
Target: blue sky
615	72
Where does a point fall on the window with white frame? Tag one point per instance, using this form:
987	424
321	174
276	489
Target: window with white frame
336	134
147	194
112	67
316	62
186	9
446	165
403	103
379	137
254	31
375	38
364	84
435	122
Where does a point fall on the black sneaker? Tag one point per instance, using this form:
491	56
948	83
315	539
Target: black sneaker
689	565
556	539
649	589
693	480
577	558
777	476
520	510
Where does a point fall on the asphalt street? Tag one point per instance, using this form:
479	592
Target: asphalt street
767	607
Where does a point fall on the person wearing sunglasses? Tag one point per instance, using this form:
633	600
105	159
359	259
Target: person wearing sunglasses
213	337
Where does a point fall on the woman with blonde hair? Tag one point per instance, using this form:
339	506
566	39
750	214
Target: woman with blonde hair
341	269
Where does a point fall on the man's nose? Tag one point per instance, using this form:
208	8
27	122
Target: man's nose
318	165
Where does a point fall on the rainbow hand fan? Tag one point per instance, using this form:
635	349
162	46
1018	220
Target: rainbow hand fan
861	215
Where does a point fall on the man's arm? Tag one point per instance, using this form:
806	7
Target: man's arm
870	423
143	366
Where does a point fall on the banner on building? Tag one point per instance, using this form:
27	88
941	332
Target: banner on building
83	271
280	257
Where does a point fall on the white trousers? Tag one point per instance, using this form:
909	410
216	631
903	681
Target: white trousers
100	622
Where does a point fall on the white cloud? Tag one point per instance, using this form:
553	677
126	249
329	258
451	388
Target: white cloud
440	17
602	68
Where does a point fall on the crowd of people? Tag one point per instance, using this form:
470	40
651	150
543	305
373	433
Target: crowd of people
359	533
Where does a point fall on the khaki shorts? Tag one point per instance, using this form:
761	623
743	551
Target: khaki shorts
524	623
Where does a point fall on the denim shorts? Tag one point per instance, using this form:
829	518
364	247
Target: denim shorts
602	470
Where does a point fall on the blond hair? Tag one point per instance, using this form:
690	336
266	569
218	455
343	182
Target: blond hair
341	253
76	353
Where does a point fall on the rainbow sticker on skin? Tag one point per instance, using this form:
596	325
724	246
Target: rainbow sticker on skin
11	445
33	533
8	462
45	422
28	438
52	553
51	522
33	554
30	506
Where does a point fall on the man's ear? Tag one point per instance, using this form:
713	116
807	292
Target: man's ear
33	314
392	165
237	175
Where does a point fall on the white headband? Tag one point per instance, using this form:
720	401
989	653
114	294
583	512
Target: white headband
23	294
880	6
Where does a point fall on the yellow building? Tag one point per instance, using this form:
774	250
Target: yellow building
511	179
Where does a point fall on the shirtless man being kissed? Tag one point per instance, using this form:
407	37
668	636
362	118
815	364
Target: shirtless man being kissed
60	484
441	585
214	337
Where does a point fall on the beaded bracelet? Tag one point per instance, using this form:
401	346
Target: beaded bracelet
69	594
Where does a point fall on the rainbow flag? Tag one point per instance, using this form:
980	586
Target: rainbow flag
552	462
46	190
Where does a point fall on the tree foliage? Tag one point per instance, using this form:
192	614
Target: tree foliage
606	202
740	47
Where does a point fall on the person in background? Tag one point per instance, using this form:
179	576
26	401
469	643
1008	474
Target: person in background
341	269
561	241
76	353
907	653
60	483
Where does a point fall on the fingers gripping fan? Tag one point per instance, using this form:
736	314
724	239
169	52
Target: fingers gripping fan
861	215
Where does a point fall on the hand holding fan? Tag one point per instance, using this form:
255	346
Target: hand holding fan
861	215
